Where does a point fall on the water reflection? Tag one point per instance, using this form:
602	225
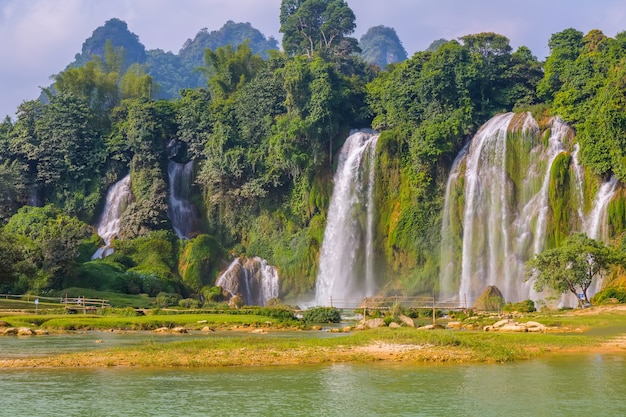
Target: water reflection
567	386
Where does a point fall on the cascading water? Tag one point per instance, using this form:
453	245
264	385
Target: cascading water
119	197
504	207
595	225
253	279
182	213
346	266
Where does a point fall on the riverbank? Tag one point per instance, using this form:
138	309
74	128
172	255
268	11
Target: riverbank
600	329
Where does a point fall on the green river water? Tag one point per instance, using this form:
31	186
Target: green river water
569	385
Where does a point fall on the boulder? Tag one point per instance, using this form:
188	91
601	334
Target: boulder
490	300
430	327
24	331
374	323
456	325
407	320
4	324
501	323
40	332
207	329
394	325
513	328
162	330
179	329
10	331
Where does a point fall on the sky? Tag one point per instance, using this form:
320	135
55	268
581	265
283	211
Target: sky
39	38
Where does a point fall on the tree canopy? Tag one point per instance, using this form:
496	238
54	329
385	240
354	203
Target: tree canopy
572	267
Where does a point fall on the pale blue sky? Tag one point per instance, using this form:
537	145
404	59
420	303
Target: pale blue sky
40	37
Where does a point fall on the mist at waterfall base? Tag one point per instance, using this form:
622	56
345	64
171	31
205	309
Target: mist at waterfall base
492	224
118	198
346	268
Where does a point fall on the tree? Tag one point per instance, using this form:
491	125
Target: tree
564	49
380	45
312	25
571	267
228	69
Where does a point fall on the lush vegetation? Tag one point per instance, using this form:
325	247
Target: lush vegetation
263	128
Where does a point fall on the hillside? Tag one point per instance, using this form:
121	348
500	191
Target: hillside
248	164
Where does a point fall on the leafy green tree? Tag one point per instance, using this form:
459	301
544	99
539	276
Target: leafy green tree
13	190
135	83
228	69
315	25
380	45
51	240
571	267
565	47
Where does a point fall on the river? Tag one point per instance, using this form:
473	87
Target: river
568	385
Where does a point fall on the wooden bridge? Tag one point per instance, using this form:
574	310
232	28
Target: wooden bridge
75	304
386	303
71	304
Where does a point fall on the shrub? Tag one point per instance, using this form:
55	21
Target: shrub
526	306
189	303
605	296
321	315
164	299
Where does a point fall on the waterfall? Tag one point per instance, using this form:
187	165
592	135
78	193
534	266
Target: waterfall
596	224
449	237
503	204
182	213
346	266
253	279
118	198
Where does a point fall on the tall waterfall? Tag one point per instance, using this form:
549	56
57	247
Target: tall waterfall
119	197
346	266
502	197
182	213
253	279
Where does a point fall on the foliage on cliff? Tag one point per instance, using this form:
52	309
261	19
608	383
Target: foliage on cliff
264	132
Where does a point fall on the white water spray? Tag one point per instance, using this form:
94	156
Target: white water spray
346	268
118	198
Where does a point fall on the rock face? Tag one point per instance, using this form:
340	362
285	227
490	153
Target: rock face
490	300
252	279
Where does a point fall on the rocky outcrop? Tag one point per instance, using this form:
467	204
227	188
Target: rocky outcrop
508	325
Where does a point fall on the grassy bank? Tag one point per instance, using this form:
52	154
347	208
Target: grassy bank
591	330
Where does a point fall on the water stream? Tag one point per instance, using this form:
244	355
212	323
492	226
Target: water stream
118	198
346	266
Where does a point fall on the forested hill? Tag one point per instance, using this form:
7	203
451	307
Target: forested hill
172	72
252	152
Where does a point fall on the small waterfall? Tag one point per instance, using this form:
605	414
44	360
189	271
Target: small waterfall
253	279
450	247
596	224
118	198
503	222
182	213
346	266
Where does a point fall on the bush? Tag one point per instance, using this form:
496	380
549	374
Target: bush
321	315
605	296
526	306
189	303
164	299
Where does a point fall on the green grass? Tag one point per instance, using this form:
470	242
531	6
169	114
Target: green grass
100	322
116	299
